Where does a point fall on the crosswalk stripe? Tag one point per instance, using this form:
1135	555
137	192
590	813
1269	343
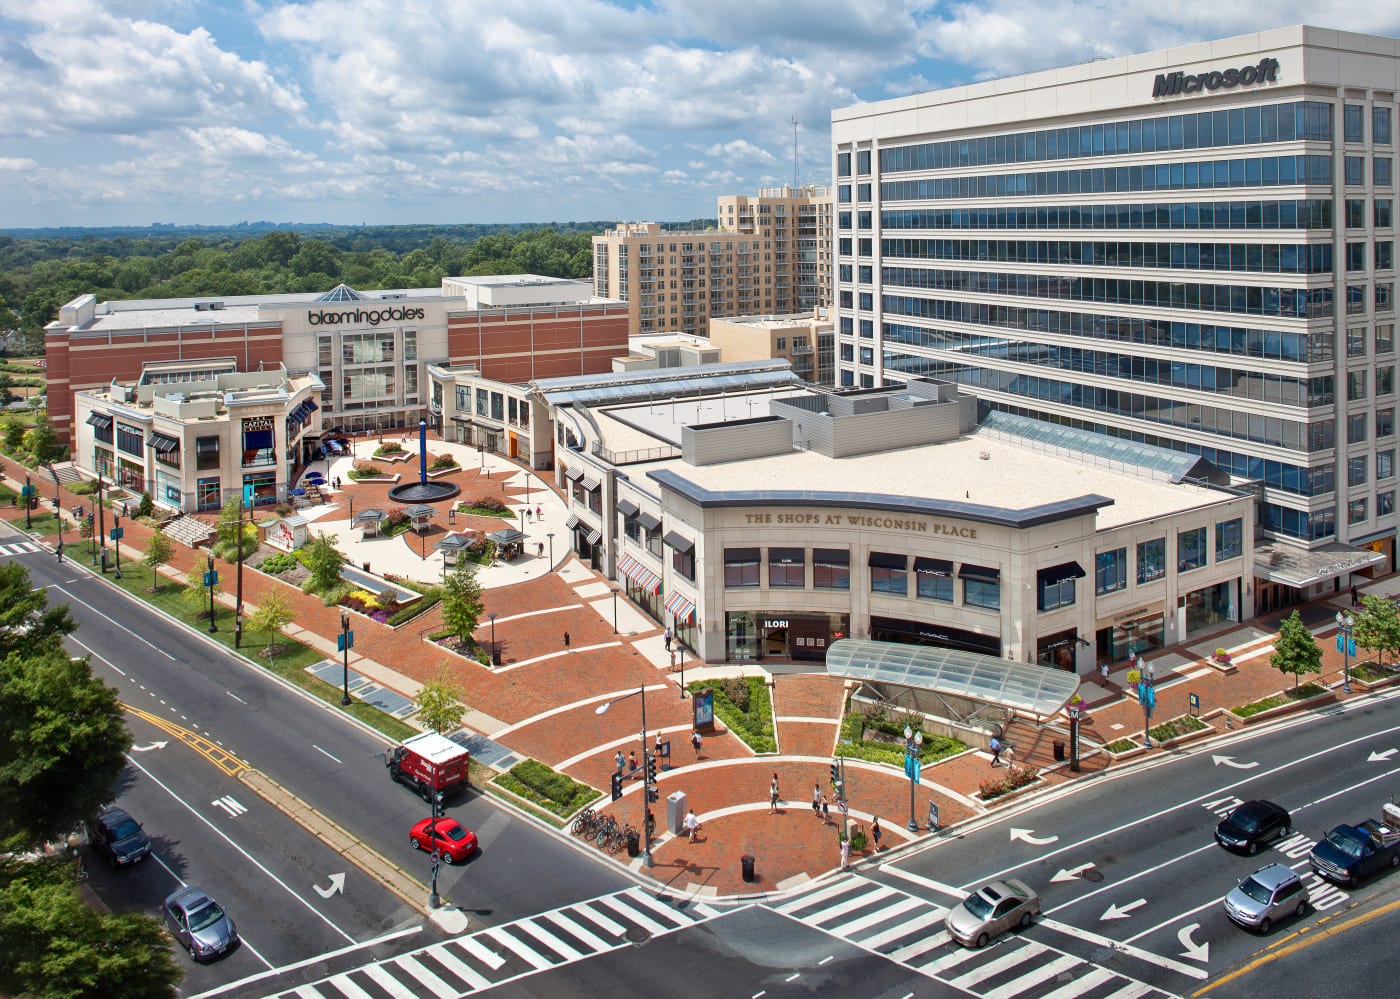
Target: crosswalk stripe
590	909
626	912
928	919
388	982
460	968
958	955
1033	978
1078	987
426	978
894	911
577	930
534	929
481	952
518	947
347	988
807	901
1130	991
662	910
1010	959
832	916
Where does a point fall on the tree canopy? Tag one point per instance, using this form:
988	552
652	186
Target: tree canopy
1295	649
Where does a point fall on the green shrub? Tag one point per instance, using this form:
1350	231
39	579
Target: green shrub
488	506
1368	670
855	745
753	724
442	461
1122	745
1182	725
366	470
1310	689
409	611
1015	777
280	562
553	791
388	448
85	487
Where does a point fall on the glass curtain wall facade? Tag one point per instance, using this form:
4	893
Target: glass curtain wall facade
1213	275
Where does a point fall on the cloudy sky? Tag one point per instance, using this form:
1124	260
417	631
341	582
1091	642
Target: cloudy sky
128	112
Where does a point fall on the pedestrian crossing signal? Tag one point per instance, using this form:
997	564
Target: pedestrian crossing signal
616	786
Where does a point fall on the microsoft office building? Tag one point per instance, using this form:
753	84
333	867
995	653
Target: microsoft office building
1191	248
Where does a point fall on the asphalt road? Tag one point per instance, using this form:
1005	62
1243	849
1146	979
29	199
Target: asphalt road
334	765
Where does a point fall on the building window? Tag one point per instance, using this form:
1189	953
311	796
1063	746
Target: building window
1356	256
848	352
130	439
1229	539
862	192
1385	379
1353	171
1355	213
206	453
1190	550
1383	213
831	569
1385	296
1352	127
1151	560
684	563
862	161
1356	511
889	573
1111	571
981	587
843	194
1380	171
1385	423
1385	503
843	165
1385	338
933	579
1356	428
867	355
207	494
1356	470
740	568
1356	386
1054	590
1385	255
787	567
1356	343
1380	125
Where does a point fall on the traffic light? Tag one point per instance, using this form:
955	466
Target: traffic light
651	768
653	793
616	786
835	773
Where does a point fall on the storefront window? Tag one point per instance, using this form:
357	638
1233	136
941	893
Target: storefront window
831	568
207	494
1229	539
889	573
684	563
1208	607
263	486
1151	560
787	567
1052	593
1190	550
1111	571
980	593
934	579
740	568
782	635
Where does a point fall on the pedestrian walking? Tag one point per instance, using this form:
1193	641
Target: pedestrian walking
845	852
1103	672
1010	752
692	824
817	800
539	513
875	832
659	745
632	764
773	795
695	742
529	515
566	641
996	751
620	760
667	636
539	549
826	810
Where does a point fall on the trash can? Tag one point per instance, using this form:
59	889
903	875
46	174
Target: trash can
675	812
495	657
746	861
1059	748
634	843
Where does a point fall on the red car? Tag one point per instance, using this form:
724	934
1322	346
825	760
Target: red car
455	840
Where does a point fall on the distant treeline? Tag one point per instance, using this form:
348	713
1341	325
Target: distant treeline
40	272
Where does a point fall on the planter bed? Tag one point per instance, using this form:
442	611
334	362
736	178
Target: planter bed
374	478
437	473
401	456
1288	707
1185	737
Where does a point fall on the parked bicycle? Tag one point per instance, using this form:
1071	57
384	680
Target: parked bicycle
607	828
584	824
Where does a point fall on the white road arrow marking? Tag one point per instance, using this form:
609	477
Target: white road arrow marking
1122	911
1070	873
1027	836
337	884
1194	951
1380	757
147	749
1229	761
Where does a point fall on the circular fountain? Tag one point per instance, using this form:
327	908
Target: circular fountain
424	490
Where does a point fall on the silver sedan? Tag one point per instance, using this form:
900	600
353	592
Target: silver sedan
991	910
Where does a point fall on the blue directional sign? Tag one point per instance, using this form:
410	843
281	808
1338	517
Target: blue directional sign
1339	641
913	767
1351	647
345	640
116	533
211	578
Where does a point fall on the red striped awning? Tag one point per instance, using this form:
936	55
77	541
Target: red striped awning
639	574
681	606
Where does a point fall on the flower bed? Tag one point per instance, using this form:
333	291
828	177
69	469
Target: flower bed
391	450
1014	779
744	705
877	736
557	793
1179	729
1282	703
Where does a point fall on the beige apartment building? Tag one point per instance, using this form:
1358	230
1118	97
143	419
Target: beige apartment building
807	341
770	254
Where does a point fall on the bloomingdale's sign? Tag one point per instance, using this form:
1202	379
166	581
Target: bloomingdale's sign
1172	84
359	317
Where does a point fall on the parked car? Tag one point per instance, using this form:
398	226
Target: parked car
991	910
1253	824
119	836
1267	895
199	924
455	840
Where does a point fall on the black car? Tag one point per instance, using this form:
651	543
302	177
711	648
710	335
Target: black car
1253	824
119	836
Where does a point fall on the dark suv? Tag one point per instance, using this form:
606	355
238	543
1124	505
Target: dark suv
1252	825
119	836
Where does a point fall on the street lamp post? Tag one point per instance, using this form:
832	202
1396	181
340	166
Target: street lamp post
1345	622
551	549
646	770
209	577
345	659
28	502
58	510
101	524
117	541
614	593
527	487
238	600
913	744
521	511
495	656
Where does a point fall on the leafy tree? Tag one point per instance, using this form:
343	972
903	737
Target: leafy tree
1378	627
461	601
195	593
53	946
232	543
27	622
14	429
273	614
159	551
323	559
62	744
440	703
146	507
41	441
1295	649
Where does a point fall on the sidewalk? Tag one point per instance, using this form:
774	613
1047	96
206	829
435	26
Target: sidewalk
541	703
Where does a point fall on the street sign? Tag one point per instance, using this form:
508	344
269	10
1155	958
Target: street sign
932	814
1195	704
211	578
116	533
345	640
1351	647
913	768
845	808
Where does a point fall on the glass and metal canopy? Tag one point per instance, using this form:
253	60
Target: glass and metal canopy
1022	687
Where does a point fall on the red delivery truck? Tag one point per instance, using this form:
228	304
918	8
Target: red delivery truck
429	763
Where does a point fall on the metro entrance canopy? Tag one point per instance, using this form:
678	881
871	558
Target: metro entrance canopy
1022	687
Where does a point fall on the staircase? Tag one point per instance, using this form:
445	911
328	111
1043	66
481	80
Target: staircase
68	473
188	531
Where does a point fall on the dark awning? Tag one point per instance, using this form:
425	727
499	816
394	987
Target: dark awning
887	560
678	541
627	508
206	445
933	567
787	556
1059	573
100	421
164	444
981	572
648	522
740	556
